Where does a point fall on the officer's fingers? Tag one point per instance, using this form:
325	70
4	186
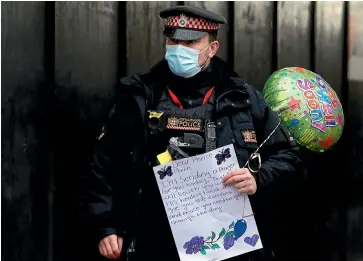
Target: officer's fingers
243	184
244	190
239	171
102	249
236	178
227	177
234	173
249	188
230	174
233	180
114	247
109	249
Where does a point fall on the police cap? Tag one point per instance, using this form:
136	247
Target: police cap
190	23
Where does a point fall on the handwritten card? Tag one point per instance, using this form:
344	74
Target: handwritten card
209	221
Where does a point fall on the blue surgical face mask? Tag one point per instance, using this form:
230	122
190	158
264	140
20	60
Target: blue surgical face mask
183	61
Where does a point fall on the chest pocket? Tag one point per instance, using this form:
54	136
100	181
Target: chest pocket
244	136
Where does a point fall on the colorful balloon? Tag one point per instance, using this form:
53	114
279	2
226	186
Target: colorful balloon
307	106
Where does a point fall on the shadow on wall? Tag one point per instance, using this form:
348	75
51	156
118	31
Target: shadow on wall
26	164
47	143
79	118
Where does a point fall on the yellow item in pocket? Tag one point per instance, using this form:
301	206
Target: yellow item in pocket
164	157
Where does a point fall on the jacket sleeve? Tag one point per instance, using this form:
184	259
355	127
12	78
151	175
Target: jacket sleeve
101	185
281	156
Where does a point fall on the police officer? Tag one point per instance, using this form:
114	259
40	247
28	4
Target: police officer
188	103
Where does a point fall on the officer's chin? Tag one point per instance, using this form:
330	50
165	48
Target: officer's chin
191	77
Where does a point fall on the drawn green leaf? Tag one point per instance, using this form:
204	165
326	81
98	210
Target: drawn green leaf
202	251
208	238
223	231
215	246
205	247
231	225
213	235
229	234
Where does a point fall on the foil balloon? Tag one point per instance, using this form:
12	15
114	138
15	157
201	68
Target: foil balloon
307	106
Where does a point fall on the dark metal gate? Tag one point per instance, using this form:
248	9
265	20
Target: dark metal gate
61	60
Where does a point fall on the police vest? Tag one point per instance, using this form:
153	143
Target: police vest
181	130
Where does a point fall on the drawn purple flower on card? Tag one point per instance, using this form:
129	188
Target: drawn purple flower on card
228	242
228	236
194	245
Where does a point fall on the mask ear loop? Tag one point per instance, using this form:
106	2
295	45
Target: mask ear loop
257	155
201	67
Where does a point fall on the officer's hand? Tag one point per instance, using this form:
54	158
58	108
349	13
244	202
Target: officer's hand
110	247
242	180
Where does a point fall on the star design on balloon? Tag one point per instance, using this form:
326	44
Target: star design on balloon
298	69
294	104
340	119
327	143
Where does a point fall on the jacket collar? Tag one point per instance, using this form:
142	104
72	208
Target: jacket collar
231	92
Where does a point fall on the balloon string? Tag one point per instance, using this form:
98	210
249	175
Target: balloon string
244	205
269	136
259	147
247	163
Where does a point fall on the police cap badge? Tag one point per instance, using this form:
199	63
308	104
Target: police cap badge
190	23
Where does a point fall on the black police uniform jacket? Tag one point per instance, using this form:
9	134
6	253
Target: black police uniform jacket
120	168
